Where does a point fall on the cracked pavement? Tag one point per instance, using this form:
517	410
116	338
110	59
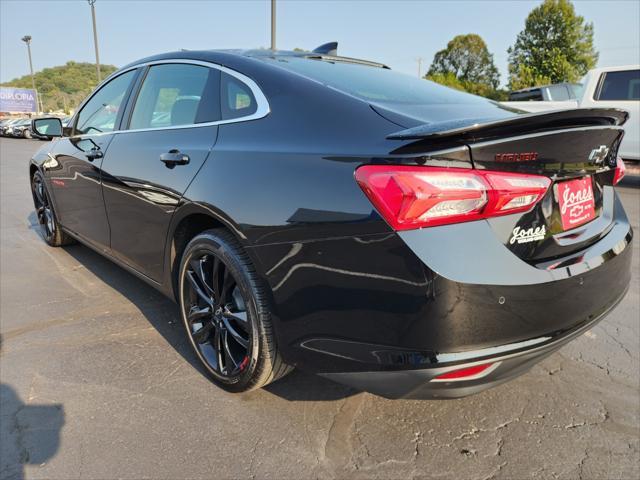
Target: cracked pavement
97	381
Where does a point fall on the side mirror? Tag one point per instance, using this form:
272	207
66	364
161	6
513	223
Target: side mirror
47	127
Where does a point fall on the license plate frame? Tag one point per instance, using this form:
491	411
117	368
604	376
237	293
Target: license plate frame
576	202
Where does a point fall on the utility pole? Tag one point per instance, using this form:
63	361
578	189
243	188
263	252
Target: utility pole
419	60
95	38
27	39
273	24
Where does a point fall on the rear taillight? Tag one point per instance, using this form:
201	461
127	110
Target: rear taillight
619	171
410	197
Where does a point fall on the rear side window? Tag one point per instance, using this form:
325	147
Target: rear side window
100	113
237	100
177	94
623	85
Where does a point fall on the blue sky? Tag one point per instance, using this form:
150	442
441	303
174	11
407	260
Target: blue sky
393	32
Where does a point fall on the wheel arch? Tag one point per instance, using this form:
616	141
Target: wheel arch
188	221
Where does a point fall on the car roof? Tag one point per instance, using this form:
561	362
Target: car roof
275	54
615	69
233	58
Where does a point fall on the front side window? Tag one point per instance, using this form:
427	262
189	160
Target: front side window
100	113
624	85
177	94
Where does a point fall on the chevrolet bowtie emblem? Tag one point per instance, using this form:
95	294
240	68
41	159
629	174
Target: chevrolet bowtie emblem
598	155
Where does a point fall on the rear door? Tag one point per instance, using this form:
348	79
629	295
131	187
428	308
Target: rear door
73	172
172	128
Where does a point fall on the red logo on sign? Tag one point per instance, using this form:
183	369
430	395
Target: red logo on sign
576	202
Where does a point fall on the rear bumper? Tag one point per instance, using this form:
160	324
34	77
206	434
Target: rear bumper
482	305
387	311
512	360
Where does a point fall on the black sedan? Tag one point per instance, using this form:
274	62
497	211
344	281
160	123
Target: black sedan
321	212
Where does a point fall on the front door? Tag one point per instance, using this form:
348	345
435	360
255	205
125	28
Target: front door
74	168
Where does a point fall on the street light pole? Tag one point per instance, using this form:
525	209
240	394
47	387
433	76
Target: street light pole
95	38
273	24
27	39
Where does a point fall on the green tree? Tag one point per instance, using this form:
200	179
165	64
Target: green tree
556	45
466	64
65	86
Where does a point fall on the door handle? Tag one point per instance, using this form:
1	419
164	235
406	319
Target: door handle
173	158
94	153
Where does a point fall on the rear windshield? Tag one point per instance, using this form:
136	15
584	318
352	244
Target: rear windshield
377	85
526	96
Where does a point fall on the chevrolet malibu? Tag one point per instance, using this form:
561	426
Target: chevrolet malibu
308	210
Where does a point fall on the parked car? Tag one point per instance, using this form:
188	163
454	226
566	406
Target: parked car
3	123
321	212
7	128
608	87
22	128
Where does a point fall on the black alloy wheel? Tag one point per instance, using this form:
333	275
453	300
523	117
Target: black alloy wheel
225	313
217	314
44	212
49	227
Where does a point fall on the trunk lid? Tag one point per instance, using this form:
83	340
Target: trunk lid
576	149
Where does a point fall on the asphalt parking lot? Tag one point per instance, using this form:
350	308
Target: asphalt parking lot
98	382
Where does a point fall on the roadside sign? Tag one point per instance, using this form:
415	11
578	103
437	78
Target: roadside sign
18	100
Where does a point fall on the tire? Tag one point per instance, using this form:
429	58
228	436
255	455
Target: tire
50	229
228	321
26	133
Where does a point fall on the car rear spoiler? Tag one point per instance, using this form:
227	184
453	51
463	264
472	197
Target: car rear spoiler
482	129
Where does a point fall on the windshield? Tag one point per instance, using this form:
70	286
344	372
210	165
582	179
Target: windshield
578	88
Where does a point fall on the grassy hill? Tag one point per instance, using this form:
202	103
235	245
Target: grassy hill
65	86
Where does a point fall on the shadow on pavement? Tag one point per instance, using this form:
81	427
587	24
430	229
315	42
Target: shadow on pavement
29	434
